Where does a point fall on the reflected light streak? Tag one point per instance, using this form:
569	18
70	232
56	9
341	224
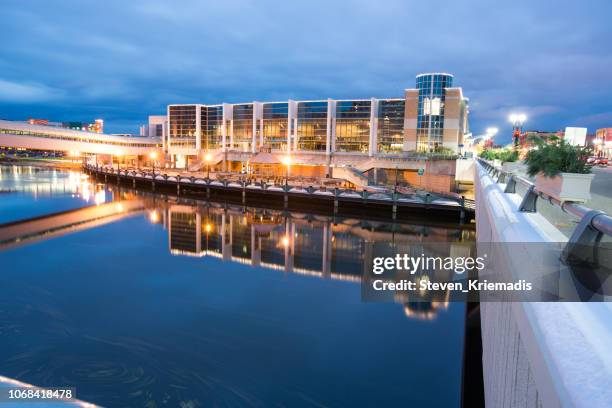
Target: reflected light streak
285	241
100	197
154	216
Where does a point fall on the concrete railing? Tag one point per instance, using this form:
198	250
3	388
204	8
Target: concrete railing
537	354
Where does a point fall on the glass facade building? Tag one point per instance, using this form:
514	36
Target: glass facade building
430	120
391	113
243	127
275	125
183	126
353	126
183	232
431	117
212	127
312	126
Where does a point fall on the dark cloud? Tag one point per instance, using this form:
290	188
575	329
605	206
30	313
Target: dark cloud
124	60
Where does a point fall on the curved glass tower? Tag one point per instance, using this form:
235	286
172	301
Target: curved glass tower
430	120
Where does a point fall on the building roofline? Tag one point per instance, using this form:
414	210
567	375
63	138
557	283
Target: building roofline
288	100
435	73
84	134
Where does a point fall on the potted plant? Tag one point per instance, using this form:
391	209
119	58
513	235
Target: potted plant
491	155
561	170
510	160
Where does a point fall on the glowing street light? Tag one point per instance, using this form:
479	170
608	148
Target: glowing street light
153	157
287	162
285	241
518	119
492	131
154	217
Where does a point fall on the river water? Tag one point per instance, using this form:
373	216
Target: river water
143	300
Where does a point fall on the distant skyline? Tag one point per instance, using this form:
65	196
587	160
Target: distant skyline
124	60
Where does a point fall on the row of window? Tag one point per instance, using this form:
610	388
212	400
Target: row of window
211	120
352	123
182	126
308	242
243	127
430	115
76	139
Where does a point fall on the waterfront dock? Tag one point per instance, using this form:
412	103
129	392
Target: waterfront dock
382	204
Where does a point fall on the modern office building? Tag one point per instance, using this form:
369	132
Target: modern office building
441	114
157	127
429	118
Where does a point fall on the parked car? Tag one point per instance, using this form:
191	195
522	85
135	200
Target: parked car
597	161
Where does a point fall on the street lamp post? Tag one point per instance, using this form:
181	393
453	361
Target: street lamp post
396	176
118	156
153	157
208	157
517	121
491	132
287	162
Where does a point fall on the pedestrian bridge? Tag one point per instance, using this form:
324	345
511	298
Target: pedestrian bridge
23	135
539	353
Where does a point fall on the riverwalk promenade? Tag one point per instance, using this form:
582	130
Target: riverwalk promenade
383	202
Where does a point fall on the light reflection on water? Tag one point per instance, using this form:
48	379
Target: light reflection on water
39	191
157	301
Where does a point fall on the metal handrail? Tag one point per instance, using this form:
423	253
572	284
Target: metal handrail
592	225
390	196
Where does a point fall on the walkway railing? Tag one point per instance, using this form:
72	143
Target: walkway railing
394	196
592	226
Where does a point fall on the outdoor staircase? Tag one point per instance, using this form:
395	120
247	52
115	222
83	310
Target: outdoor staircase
197	166
352	175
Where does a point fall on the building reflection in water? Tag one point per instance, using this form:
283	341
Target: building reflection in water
310	245
44	182
320	246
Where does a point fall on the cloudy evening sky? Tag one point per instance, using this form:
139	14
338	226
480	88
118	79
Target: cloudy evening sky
123	60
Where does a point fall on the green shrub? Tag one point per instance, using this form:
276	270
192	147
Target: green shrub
444	150
508	155
557	157
488	154
504	155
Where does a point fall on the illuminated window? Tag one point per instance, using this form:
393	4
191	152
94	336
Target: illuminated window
312	126
275	125
353	126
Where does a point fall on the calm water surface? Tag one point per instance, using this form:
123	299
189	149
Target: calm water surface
147	301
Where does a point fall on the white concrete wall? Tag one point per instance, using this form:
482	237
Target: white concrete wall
464	171
538	354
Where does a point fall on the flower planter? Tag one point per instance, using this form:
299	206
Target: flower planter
497	163
566	186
